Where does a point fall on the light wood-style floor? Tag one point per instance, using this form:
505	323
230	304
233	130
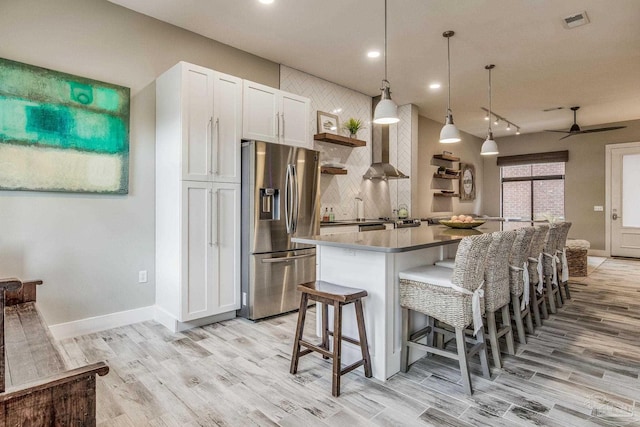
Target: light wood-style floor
580	369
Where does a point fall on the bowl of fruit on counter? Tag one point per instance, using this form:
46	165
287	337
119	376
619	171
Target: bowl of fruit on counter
462	221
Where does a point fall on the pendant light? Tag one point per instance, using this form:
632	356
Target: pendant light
386	111
489	146
449	132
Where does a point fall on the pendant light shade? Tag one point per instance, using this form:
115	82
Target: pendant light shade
489	146
449	133
386	111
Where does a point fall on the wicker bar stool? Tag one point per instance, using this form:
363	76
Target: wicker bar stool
497	294
453	297
519	281
563	265
536	274
337	296
549	263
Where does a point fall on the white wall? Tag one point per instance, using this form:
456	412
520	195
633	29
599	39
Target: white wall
88	249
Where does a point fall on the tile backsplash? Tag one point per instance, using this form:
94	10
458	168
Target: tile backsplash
340	191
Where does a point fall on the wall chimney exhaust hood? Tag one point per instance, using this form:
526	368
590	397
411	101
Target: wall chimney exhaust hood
380	167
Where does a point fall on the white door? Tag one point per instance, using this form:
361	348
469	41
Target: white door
197	243
227	127
294	120
260	116
625	201
226	248
197	119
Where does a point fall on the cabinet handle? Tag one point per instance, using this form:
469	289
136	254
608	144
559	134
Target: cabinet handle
214	149
210	129
282	115
213	240
277	125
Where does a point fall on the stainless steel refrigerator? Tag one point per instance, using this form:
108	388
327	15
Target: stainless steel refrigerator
280	199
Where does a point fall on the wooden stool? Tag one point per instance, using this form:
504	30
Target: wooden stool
337	296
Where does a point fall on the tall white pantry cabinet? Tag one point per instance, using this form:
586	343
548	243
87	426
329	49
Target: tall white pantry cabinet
198	132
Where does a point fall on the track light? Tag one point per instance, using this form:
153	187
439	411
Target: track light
496	121
508	126
517	131
486	117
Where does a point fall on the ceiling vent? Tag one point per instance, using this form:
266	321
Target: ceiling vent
575	20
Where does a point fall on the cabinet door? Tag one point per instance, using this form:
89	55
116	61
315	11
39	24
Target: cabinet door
197	244
294	120
197	120
225	289
259	110
227	127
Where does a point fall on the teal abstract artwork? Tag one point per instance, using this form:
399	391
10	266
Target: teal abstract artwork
60	132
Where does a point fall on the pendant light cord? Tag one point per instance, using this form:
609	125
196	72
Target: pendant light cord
385	42
489	68
449	75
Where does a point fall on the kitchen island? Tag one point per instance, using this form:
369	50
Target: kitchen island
371	260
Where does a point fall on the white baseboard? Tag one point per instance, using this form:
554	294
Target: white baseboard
597	252
100	323
174	325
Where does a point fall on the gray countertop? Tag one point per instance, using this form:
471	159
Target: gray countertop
397	240
353	222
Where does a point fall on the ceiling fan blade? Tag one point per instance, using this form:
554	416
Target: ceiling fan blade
564	137
602	129
561	131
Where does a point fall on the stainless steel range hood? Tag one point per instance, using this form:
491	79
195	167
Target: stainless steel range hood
380	167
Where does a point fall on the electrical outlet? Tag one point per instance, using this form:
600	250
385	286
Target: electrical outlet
142	276
244	298
598	209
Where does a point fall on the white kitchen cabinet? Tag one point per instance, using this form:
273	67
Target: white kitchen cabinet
273	115
198	254
198	127
199	122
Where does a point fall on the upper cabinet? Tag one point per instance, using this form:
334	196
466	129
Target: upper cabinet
273	115
198	117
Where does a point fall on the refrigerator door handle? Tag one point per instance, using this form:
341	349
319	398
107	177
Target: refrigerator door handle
287	199
286	259
296	200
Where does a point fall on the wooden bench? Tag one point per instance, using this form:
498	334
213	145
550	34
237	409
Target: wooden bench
36	387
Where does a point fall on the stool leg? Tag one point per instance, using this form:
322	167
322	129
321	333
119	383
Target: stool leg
550	296
515	304
506	323
325	328
364	345
302	313
493	339
543	306
528	320
566	290
337	347
432	324
404	352
462	360
484	354
533	304
559	301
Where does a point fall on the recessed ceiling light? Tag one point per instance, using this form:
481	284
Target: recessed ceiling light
434	86
373	53
266	1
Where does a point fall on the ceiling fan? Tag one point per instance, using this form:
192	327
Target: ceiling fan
575	129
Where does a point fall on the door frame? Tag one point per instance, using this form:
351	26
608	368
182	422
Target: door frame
608	191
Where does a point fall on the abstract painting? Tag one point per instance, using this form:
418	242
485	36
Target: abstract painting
60	132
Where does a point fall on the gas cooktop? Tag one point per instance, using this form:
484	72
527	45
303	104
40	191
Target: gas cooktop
403	223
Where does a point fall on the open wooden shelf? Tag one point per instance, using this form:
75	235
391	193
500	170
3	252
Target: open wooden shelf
332	171
446	195
339	139
446	157
445	176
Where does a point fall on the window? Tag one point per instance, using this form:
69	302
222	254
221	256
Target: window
529	191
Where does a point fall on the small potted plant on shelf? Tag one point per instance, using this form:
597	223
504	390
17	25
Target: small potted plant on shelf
353	126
